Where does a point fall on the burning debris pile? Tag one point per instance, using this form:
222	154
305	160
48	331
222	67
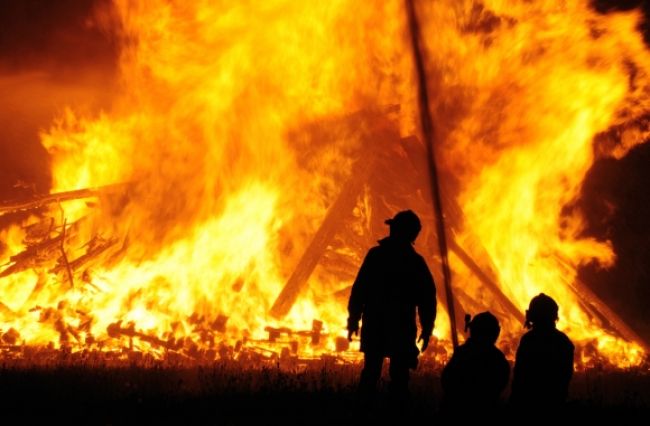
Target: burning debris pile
221	207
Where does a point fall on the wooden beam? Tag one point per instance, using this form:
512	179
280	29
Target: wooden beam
591	299
94	251
458	308
341	208
486	280
42	200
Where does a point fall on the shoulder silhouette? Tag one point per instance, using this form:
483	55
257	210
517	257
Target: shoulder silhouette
544	362
478	372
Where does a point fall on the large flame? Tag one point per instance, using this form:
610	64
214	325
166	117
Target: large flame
225	181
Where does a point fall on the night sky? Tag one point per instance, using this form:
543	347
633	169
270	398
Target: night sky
54	53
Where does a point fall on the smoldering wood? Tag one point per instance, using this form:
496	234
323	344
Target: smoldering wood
315	333
454	221
430	139
486	280
39	231
332	224
376	130
340	265
275	332
64	256
117	330
588	296
219	324
39	201
459	309
593	302
597	308
341	208
94	251
31	256
416	153
39	252
470	304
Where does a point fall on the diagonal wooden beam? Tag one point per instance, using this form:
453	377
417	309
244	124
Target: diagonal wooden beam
593	302
42	200
341	208
488	282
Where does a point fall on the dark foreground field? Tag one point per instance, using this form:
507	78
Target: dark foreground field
229	394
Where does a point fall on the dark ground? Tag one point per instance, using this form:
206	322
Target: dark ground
226	393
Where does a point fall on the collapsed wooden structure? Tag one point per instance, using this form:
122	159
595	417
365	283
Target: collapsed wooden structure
385	153
388	169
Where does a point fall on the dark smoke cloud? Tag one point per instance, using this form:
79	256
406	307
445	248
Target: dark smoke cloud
52	54
616	203
616	199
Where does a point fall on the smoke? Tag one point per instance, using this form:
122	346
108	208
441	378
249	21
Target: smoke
617	206
52	54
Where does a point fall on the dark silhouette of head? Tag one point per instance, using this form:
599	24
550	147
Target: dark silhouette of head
404	226
484	328
542	311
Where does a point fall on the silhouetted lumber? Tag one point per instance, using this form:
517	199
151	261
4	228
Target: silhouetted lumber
42	200
116	330
430	136
615	321
416	154
383	133
343	267
341	208
94	251
39	231
29	257
37	253
585	295
64	256
441	294
486	280
593	303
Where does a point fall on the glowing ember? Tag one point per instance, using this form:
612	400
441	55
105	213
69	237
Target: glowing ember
237	126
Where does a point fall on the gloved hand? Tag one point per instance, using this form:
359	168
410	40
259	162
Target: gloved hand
353	329
424	338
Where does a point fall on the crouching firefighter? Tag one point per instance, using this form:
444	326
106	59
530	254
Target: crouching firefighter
393	284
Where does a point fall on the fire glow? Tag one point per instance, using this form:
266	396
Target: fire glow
237	128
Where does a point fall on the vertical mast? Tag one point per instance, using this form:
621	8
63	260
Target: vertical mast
428	135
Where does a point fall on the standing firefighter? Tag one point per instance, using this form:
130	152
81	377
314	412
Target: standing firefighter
393	281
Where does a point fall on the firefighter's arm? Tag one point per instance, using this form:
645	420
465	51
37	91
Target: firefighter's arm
426	304
357	296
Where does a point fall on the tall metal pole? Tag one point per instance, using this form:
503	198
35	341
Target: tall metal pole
428	134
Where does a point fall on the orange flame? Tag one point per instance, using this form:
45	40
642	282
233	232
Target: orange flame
210	133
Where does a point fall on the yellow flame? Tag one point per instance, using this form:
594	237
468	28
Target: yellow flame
226	180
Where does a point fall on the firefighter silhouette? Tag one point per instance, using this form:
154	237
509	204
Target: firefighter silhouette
393	283
478	372
544	361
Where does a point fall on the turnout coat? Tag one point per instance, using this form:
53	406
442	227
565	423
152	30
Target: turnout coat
393	283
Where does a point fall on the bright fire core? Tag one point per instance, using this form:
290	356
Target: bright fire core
238	124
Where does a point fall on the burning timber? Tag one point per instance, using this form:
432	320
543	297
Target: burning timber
43	200
379	180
